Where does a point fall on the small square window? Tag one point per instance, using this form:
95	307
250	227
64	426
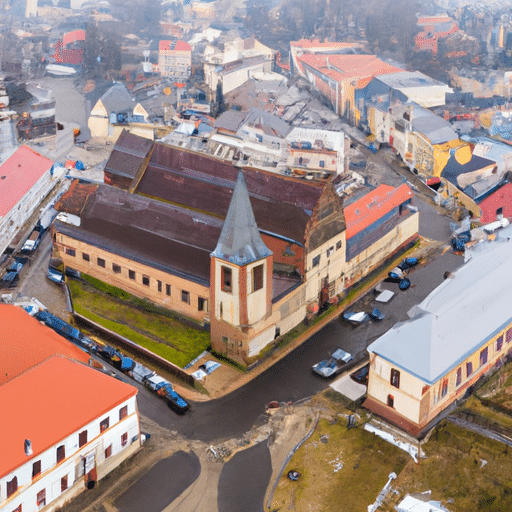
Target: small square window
104	424
124	439
70	252
101	262
123	412
85	256
185	296
131	274
145	280
338	244
168	290
116	268
316	261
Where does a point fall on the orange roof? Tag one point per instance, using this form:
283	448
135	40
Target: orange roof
344	67
49	402
18	174
179	46
374	205
433	20
25	342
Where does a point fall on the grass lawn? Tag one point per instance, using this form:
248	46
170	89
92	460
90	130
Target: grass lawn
466	471
160	333
340	469
345	469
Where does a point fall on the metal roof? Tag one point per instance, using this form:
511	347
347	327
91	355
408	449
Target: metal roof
458	318
408	79
128	154
240	241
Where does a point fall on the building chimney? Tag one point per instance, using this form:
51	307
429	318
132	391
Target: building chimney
28	447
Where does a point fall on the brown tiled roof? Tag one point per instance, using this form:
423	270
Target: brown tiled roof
203	193
281	205
163	236
74	199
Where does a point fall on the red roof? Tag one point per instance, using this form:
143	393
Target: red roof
344	67
178	46
75	35
18	174
374	205
25	342
49	402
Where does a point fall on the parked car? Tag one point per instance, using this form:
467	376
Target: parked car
55	276
175	401
32	242
361	375
155	382
10	280
332	366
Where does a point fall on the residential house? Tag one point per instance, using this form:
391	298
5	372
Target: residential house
69	50
236	48
26	179
114	111
421	367
175	60
470	179
317	152
422	139
433	28
233	74
166	248
337	77
72	438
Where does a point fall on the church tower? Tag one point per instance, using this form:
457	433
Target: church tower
240	277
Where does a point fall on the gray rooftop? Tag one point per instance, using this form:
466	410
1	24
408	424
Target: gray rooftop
406	79
240	241
117	99
456	319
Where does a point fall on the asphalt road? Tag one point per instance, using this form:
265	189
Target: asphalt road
161	485
244	480
291	379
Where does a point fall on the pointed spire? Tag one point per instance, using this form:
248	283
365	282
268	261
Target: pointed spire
240	241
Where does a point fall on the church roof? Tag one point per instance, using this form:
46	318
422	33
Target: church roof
240	241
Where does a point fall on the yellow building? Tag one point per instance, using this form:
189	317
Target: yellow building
462	330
